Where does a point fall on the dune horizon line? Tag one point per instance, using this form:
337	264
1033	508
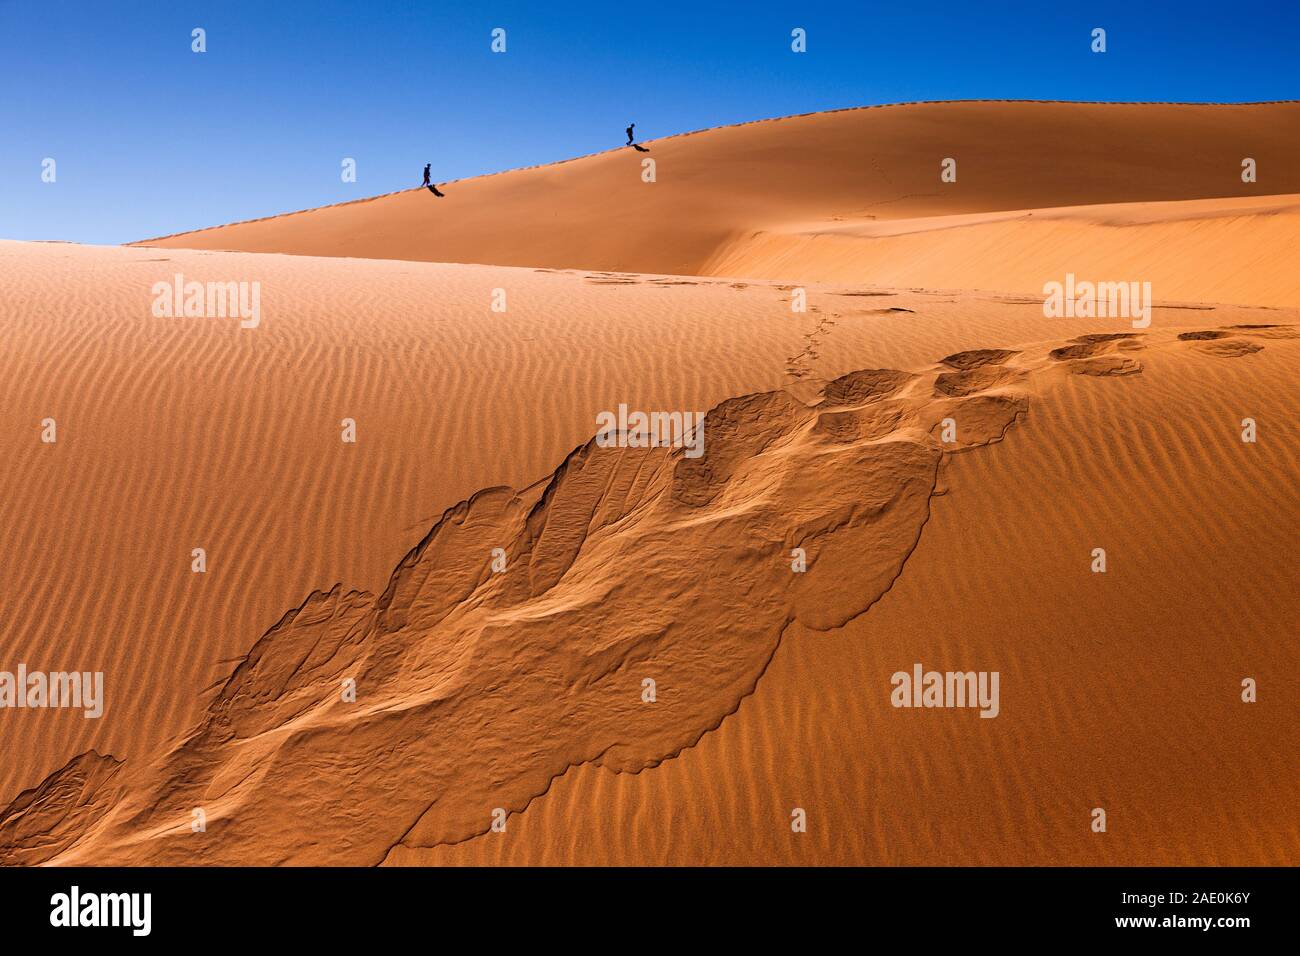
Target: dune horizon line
709	129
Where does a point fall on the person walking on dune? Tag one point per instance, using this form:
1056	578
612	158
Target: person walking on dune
629	133
426	174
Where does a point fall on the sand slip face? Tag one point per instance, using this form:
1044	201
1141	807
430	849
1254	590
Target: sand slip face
479	688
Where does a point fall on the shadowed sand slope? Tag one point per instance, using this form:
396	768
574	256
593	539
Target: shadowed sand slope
798	198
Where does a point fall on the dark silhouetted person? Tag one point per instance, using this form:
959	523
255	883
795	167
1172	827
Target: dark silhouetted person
428	185
629	133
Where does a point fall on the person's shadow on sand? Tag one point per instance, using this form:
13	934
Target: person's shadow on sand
638	147
434	189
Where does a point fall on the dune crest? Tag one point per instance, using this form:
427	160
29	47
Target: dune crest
856	195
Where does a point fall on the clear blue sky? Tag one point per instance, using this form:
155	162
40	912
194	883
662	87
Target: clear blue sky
151	138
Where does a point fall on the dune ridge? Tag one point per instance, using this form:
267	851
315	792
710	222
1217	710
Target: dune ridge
695	132
743	200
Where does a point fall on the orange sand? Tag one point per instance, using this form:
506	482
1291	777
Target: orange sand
522	690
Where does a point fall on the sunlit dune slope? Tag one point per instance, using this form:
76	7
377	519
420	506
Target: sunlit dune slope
744	200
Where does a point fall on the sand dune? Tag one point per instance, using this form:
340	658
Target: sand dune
793	198
1208	250
521	688
465	676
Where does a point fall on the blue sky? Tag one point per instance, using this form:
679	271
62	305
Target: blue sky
151	138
